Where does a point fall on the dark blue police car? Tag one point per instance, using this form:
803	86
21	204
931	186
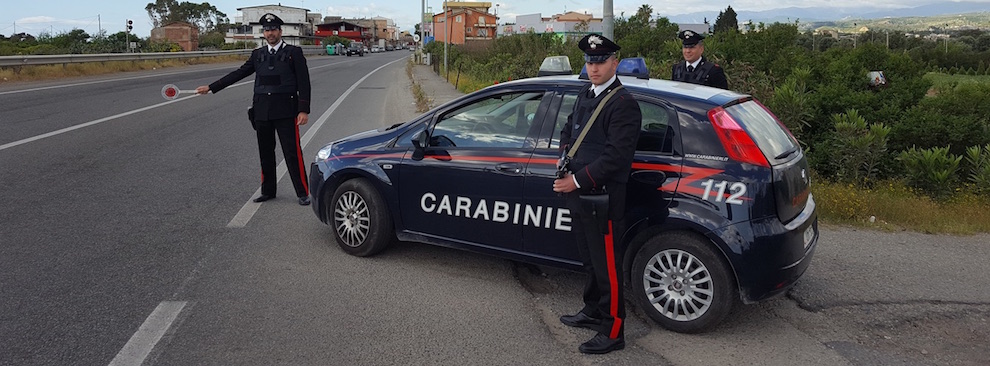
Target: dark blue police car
719	209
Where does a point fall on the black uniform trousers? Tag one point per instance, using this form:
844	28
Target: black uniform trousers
601	257
288	136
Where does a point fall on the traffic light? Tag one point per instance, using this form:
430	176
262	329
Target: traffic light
130	25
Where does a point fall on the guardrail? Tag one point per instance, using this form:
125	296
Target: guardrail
24	60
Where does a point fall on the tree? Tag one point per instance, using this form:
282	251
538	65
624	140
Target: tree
726	21
643	15
204	16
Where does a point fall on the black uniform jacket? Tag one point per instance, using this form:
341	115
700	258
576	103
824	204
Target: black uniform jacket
607	151
271	106
707	73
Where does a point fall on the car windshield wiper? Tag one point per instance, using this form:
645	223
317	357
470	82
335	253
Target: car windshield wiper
786	153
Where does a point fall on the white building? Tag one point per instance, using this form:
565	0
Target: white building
569	24
248	28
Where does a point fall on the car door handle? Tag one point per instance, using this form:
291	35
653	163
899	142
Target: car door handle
511	168
650	178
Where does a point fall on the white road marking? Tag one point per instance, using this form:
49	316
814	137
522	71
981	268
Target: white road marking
104	81
104	119
148	335
101	120
133	78
250	207
87	124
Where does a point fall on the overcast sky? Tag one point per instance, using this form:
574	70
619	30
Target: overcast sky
36	16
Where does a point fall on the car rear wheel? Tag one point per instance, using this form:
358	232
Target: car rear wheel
360	219
683	283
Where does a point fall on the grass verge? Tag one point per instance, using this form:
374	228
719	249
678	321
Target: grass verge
943	81
48	72
422	101
893	206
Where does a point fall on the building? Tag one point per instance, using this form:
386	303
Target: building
341	28
466	22
572	24
247	28
186	35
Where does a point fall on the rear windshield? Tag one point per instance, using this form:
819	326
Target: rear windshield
763	128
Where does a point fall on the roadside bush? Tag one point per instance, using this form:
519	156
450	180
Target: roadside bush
790	102
859	148
978	166
958	116
933	171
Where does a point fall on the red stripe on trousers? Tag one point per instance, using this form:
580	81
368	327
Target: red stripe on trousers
302	168
613	281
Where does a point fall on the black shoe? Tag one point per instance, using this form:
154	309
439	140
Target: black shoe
304	201
263	198
580	320
602	344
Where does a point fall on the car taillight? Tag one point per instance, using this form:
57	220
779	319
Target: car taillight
735	140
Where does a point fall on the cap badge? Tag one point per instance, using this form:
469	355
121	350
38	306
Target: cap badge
269	17
594	41
688	34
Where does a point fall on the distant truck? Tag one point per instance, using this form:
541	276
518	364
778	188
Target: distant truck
356	48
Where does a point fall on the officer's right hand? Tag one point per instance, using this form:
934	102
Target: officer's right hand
203	89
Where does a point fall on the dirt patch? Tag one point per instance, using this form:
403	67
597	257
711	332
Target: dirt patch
937	334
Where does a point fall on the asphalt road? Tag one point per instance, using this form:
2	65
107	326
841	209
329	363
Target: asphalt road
127	237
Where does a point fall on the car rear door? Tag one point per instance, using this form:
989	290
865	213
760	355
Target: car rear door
467	187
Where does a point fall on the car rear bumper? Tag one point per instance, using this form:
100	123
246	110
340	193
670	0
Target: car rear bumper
769	256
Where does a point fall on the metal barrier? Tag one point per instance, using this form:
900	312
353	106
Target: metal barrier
23	60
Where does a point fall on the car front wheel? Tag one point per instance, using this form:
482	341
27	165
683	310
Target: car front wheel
360	219
683	283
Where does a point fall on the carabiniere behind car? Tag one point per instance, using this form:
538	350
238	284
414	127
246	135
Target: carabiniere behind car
719	209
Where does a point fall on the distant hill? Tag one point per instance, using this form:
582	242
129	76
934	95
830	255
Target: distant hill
813	14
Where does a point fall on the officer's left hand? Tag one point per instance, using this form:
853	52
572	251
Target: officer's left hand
565	184
302	118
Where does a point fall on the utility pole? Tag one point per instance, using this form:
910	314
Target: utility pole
608	20
422	23
446	36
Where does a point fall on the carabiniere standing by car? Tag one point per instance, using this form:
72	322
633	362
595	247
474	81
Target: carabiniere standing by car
601	144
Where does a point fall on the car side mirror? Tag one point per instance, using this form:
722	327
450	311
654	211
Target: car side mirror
420	141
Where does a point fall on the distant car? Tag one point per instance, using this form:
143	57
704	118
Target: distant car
355	48
719	203
389	48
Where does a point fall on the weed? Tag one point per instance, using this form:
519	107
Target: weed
895	206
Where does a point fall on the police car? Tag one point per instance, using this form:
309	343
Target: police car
719	210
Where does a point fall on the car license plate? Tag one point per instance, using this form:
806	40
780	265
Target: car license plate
808	235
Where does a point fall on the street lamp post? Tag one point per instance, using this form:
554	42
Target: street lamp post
608	20
446	36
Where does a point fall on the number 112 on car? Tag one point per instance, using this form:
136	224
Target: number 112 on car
717	191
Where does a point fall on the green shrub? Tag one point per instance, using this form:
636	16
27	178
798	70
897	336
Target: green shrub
958	116
978	165
932	171
790	102
859	147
